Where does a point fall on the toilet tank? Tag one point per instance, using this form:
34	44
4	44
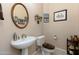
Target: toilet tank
40	40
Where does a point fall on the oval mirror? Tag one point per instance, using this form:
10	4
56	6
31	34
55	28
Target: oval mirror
20	15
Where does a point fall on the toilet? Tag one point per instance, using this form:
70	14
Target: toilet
44	48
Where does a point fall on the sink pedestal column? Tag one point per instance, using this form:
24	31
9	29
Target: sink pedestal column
25	51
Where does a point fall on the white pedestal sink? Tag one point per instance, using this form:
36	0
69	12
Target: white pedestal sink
23	44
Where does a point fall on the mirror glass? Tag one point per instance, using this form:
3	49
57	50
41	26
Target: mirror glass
19	15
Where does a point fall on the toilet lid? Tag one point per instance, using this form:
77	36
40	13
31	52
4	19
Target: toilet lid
48	46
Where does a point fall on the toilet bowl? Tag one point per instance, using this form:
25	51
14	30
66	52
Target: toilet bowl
44	49
47	49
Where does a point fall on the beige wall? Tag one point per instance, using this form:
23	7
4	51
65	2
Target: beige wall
62	29
7	27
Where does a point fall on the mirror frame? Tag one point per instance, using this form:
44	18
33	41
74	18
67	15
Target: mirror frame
12	10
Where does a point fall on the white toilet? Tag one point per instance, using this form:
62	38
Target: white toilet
40	42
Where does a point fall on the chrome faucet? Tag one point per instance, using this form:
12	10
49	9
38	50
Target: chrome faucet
23	36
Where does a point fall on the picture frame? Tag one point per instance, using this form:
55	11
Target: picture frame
1	13
60	15
46	18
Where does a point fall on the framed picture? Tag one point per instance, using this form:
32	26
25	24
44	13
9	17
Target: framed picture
60	15
1	13
46	17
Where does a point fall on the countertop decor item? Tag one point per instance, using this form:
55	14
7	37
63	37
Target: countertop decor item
20	16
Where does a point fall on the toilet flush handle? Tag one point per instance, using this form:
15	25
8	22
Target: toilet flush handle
55	37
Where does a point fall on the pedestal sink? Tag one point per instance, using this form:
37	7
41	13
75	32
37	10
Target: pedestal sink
23	44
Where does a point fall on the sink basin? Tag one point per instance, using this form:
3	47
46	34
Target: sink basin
23	43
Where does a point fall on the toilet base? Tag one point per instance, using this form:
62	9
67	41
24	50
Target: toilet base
45	53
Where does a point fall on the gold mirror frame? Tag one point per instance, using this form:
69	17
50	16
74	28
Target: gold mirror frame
12	10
